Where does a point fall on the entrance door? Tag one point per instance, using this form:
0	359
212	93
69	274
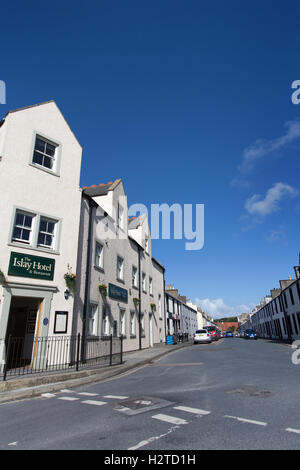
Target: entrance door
21	327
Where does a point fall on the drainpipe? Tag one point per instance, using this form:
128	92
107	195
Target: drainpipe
92	204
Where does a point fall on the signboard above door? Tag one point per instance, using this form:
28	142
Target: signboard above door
36	267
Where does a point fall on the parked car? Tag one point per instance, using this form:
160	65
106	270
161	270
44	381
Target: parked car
202	336
229	334
250	334
213	332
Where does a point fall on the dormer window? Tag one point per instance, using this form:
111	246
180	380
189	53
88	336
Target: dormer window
45	153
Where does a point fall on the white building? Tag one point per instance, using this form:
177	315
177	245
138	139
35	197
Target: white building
40	161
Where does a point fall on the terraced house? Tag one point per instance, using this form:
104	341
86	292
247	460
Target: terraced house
278	315
40	160
121	284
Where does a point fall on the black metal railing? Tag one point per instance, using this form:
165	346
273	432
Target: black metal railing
180	338
31	355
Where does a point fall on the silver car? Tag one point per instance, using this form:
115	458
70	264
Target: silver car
202	336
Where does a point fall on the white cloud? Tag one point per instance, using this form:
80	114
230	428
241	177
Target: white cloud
218	309
256	205
264	147
261	148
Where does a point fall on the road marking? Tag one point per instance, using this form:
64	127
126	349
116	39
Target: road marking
66	390
246	420
13	443
297	431
48	395
118	397
170	419
68	398
154	438
88	394
195	411
95	402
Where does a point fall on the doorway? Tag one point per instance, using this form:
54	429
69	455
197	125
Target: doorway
150	330
21	329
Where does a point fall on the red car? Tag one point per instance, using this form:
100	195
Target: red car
213	331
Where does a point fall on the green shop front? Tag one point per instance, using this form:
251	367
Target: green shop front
26	309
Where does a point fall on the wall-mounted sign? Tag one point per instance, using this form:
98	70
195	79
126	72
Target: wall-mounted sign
36	267
117	293
60	322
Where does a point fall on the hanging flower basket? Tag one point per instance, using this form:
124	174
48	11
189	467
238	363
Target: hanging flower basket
136	301
70	280
103	290
153	307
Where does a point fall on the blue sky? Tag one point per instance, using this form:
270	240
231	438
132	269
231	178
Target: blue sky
188	102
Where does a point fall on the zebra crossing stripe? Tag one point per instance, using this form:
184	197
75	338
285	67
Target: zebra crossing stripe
170	419
195	411
95	402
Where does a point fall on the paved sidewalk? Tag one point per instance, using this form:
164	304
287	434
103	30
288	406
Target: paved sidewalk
23	387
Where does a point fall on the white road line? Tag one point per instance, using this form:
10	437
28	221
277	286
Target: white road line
195	411
95	402
246	420
170	419
154	438
68	398
118	397
88	394
48	395
66	390
297	431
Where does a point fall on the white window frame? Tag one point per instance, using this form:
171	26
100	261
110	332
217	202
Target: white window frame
121	216
54	158
53	235
105	322
132	323
23	227
144	286
122	327
159	306
150	285
134	276
94	310
120	272
33	242
99	259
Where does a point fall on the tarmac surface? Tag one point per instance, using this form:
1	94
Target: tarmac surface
22	387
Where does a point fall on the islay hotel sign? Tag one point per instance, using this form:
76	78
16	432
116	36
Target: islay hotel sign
36	267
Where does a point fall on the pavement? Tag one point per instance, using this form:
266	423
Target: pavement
24	387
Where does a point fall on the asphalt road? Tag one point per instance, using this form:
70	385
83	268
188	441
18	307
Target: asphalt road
232	394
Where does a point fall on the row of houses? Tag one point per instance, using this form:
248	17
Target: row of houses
278	314
71	259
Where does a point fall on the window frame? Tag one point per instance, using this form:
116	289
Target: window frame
119	257
99	266
95	320
33	245
58	149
